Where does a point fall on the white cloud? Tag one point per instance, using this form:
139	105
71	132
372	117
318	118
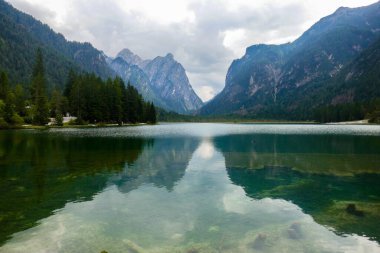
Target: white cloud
233	40
205	36
206	92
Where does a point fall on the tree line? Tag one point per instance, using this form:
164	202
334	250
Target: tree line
349	112
85	96
93	100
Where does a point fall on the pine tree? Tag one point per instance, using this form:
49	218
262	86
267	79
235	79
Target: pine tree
55	103
20	100
118	85
4	86
59	119
9	109
38	92
69	83
152	114
132	104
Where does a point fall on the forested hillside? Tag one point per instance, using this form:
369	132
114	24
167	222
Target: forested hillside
86	96
21	35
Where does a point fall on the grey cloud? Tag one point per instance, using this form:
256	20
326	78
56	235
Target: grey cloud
36	11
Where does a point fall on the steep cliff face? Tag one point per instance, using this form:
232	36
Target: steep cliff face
169	81
132	74
270	80
161	80
358	81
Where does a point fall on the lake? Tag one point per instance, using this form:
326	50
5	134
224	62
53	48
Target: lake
191	188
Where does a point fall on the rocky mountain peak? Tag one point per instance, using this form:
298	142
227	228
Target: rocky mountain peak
131	58
168	78
169	56
341	10
162	80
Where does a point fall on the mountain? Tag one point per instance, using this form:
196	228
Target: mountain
131	58
134	75
357	81
170	82
277	81
21	35
162	80
360	78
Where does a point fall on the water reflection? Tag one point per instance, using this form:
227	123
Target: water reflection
322	174
163	165
322	154
40	173
226	193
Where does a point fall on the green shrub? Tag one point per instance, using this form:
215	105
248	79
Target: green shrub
3	124
17	120
374	117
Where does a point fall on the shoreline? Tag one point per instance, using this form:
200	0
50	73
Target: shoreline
34	127
31	127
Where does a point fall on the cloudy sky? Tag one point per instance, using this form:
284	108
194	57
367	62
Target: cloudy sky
204	35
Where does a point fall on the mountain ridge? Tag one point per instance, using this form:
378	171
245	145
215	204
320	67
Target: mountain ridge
264	81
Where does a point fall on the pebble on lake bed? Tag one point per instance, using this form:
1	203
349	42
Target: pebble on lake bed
177	236
214	229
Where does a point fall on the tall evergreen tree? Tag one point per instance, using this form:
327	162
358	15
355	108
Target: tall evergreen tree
131	104
38	92
56	103
9	109
152	118
69	83
20	98
4	86
117	86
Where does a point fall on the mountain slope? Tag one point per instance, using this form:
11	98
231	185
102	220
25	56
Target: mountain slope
162	80
267	81
357	82
135	76
170	82
21	35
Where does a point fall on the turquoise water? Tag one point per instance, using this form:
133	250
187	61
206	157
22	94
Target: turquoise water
191	188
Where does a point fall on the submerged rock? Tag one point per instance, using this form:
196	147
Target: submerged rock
132	247
295	231
192	251
259	242
213	229
351	209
